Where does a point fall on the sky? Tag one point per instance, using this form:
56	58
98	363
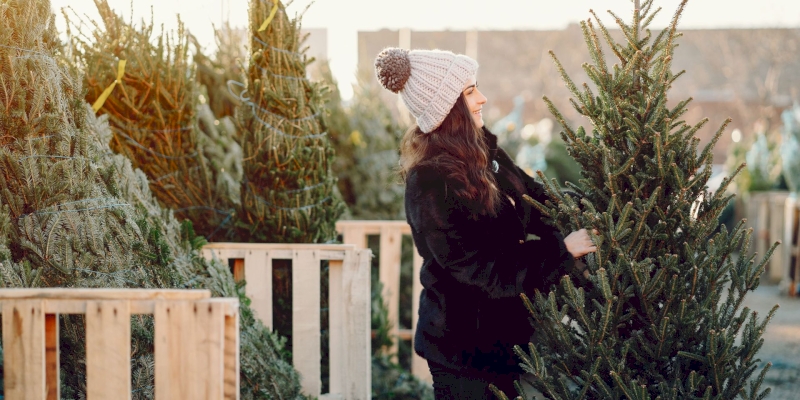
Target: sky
344	18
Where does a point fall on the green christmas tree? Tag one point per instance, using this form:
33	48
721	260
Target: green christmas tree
288	185
147	87
662	317
74	214
366	139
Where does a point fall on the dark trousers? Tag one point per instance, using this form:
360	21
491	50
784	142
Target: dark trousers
450	384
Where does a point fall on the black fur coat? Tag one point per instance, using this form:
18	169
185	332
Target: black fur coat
470	312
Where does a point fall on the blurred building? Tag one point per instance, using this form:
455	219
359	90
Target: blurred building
749	75
316	40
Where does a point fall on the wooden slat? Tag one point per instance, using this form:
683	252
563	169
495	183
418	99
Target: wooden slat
209	326
390	252
104	294
786	248
231	360
238	270
24	349
777	218
332	254
231	246
789	228
419	366
405	334
306	351
258	269
174	363
71	306
762	224
372	227
237	252
353	235
108	349
356	272
337	343
277	251
52	370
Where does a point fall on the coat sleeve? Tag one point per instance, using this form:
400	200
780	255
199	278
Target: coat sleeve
538	192
480	263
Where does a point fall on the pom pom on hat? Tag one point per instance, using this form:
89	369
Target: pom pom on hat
393	68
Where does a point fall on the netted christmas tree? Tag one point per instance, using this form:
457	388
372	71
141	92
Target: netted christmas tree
287	190
147	86
74	214
662	317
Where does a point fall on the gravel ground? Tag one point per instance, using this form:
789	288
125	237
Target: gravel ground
781	341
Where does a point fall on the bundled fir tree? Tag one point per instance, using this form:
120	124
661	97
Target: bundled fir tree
662	316
287	190
149	92
73	214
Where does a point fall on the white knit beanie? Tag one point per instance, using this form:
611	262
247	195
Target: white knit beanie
428	81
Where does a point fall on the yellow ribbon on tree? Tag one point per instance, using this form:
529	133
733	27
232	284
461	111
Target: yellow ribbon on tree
98	104
269	19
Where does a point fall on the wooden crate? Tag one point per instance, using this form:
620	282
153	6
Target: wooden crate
196	342
349	308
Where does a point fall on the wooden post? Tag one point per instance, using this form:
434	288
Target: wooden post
258	265
52	370
209	326
174	364
404	38
777	218
108	349
357	329
24	349
761	224
231	368
788	239
336	316
471	49
390	252
306	349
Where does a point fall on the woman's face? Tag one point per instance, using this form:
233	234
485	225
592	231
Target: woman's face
475	101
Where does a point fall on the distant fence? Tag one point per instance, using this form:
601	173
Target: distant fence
349	308
391	235
767	214
196	342
791	247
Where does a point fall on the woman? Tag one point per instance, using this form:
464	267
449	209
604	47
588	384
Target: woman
471	226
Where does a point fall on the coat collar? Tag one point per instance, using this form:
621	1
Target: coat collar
491	141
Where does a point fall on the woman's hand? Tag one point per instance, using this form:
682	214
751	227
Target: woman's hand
579	243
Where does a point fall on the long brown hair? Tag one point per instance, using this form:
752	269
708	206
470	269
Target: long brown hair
458	150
